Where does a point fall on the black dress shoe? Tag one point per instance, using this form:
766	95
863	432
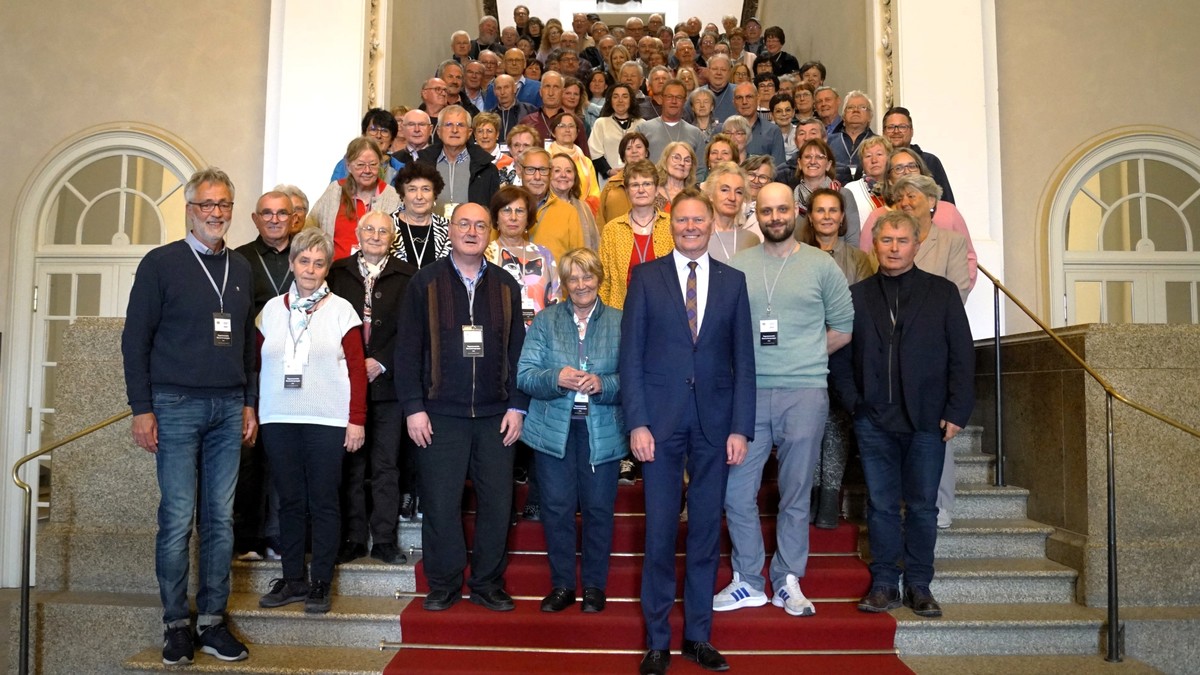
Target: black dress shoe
388	553
655	662
593	600
705	655
558	600
880	599
920	600
350	551
438	601
496	600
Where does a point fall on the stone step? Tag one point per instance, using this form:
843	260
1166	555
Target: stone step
1008	665
1009	629
363	577
277	659
985	538
969	440
1003	580
971	501
974	467
354	621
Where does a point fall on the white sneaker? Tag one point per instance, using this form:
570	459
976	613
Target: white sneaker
250	556
944	520
738	594
792	600
272	555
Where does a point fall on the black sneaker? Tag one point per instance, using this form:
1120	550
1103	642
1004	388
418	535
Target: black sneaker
319	600
408	507
178	648
218	641
351	551
284	592
626	476
388	553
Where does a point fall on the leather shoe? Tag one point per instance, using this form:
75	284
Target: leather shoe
655	662
496	600
880	599
593	600
351	551
437	601
705	655
920	600
558	600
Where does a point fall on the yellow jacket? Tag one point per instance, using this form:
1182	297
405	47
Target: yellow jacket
616	247
557	227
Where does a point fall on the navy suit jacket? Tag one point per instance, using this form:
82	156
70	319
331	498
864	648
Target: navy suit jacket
660	364
937	353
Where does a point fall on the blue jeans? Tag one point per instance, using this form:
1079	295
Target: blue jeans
901	468
199	449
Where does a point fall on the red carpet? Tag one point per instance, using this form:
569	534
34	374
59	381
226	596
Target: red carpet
471	639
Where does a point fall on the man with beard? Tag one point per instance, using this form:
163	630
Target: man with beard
801	310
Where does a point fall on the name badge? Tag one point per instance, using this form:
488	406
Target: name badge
293	375
579	408
222	329
768	332
473	342
527	307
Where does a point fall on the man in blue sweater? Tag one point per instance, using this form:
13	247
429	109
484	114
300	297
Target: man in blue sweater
801	311
189	351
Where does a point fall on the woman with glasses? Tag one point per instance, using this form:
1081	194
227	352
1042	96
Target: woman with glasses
737	128
760	170
702	103
422	236
783	113
347	200
568	366
373	282
678	168
904	162
530	264
866	194
640	235
614	200
565	127
815	168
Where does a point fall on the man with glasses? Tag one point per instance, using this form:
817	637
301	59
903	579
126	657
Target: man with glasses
466	168
669	126
189	350
418	129
557	225
461	334
765	136
848	134
433	96
898	127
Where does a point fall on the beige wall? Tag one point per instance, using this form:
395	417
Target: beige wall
834	33
421	40
1072	72
195	70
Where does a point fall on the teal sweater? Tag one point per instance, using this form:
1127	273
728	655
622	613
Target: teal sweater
551	344
810	296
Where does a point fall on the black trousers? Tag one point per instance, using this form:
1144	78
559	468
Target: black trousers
464	448
385	424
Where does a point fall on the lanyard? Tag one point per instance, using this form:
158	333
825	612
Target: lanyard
771	289
271	278
220	291
716	235
470	284
412	242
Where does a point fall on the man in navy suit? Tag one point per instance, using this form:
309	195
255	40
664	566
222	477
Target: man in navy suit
908	378
687	385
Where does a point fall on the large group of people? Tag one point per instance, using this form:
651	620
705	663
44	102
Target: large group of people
583	258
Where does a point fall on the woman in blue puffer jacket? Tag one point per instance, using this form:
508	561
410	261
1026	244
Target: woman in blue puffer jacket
569	369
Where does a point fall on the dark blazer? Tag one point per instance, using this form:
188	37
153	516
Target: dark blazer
660	364
345	281
937	353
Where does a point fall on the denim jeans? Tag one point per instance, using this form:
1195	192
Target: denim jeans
199	449
901	467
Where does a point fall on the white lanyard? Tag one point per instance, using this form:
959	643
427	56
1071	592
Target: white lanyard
771	289
220	291
412	241
716	235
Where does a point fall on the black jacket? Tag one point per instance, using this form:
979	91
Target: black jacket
485	178
346	281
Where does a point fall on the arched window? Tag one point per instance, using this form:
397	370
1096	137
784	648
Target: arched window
1124	229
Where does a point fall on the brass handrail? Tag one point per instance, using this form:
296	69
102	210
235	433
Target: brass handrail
27	524
1114	620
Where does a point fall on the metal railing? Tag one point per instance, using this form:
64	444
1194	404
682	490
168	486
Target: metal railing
27	525
1114	624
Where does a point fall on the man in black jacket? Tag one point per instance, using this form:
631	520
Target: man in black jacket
467	168
460	336
907	377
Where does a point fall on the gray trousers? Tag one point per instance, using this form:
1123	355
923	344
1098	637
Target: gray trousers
945	498
793	420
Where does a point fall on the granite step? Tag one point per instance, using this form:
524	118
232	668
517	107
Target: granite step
972	501
985	538
1010	665
1003	629
363	577
281	659
1003	580
969	440
974	467
354	621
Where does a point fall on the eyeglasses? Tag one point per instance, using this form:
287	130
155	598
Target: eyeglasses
372	231
859	108
759	178
416	125
513	210
897	127
365	166
274	215
684	159
207	207
905	168
535	170
378	130
641	185
453	125
564	125
467	225
437	89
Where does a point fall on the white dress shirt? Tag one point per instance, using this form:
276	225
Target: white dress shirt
702	268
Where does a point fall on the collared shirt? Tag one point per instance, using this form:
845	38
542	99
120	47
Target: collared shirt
703	265
470	284
201	247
